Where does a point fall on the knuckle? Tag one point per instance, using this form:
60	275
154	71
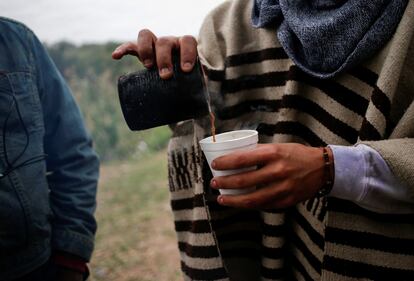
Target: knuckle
268	152
241	160
162	41
144	33
274	150
238	182
282	170
274	174
166	41
144	49
188	38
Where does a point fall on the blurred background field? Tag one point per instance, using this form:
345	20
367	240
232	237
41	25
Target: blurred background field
92	75
135	239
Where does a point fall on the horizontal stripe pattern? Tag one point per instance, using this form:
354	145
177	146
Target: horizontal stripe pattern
249	107
347	207
197	226
273	273
272	263
376	257
306	129
335	90
363	270
291	128
297	103
215	75
390	229
201	239
270	79
198	251
366	240
263	67
377	252
201	263
273	242
333	124
273	245
186	215
256	56
204	274
284	103
187	203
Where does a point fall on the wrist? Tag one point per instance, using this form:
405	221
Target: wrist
328	172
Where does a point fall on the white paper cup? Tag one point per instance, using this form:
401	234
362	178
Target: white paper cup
226	143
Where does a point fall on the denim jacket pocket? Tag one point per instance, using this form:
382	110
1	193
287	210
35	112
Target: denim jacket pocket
21	136
20	100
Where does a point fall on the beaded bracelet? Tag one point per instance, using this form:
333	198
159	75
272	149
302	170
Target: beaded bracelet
328	174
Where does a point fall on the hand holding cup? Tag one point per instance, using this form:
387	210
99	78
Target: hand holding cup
286	174
225	143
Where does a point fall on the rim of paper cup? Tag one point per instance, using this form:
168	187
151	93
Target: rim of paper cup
251	137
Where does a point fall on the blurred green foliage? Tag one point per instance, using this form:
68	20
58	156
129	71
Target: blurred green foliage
92	75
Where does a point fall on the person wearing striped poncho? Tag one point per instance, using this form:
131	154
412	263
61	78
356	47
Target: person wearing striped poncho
304	74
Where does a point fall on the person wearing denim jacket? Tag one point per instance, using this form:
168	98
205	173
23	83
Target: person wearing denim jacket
48	169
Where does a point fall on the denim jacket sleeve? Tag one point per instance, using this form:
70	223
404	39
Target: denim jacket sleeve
72	164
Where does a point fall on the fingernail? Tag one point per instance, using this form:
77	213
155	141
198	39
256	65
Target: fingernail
220	199
213	164
147	62
213	183
187	65
164	71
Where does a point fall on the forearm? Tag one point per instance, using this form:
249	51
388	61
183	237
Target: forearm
72	198
72	164
73	173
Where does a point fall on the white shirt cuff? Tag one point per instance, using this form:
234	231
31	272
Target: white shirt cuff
363	176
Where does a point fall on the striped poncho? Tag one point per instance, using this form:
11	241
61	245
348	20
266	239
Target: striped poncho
253	84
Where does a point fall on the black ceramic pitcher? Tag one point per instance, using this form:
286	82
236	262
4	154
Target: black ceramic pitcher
148	101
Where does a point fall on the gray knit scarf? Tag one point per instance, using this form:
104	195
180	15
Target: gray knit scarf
327	37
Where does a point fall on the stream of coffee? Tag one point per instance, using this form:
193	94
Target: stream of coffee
212	116
212	125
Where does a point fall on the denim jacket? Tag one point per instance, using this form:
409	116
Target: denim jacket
48	169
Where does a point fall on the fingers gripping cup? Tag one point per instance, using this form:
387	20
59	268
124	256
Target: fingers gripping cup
226	143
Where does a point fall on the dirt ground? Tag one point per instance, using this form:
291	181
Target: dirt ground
135	239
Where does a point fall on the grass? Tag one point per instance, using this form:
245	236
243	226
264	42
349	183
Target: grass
135	239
